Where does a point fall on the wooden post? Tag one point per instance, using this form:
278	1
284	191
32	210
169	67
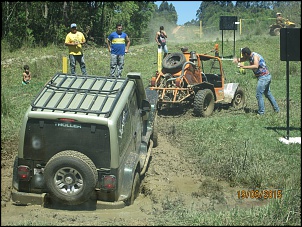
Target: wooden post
159	59
64	65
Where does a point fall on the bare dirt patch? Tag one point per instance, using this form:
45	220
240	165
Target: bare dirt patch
171	180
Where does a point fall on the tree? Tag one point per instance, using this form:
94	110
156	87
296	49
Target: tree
42	23
168	12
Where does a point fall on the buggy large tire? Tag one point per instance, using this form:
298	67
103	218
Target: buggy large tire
134	191
271	32
204	103
238	101
70	177
154	135
173	62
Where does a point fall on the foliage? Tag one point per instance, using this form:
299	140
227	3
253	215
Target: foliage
49	22
43	23
210	12
168	12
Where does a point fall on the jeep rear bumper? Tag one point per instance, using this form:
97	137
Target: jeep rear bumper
24	198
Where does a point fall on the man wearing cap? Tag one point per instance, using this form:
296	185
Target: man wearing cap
279	19
74	41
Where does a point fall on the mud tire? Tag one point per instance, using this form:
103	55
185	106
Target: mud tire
70	177
238	101
204	103
173	62
154	136
134	191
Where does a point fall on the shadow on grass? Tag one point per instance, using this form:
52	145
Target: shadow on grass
249	110
278	129
90	205
174	110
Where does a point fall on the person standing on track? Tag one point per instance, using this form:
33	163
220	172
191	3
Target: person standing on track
118	44
160	38
74	40
258	65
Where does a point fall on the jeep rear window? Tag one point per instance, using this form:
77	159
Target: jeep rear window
44	138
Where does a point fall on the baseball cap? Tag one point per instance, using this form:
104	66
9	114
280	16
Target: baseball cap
73	25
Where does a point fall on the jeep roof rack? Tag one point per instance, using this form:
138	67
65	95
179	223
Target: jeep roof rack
80	94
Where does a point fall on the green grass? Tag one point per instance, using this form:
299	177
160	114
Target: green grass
234	146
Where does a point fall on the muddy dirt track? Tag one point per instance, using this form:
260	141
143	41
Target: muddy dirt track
171	180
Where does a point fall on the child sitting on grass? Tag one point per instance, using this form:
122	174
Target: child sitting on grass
26	75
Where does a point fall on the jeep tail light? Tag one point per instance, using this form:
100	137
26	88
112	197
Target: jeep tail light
108	182
24	173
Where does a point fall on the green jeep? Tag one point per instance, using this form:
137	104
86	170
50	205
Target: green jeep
85	138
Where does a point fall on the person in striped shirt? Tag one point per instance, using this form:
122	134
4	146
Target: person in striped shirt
118	44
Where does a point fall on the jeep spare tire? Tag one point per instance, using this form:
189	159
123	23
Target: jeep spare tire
173	62
70	177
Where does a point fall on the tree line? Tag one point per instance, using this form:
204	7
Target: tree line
44	23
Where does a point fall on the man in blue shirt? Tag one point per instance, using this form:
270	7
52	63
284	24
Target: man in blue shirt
118	44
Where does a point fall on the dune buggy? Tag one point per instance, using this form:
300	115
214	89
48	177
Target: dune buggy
184	79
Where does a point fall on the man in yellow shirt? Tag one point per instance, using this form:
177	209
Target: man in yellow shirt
74	40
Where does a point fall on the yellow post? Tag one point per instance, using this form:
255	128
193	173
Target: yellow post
64	64
159	59
240	26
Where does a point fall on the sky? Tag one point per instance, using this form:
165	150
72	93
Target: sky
186	10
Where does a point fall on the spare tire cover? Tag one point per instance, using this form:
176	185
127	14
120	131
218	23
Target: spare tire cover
70	177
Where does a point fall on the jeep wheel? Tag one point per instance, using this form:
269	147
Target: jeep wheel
173	62
238	101
154	136
277	31
134	191
204	103
70	177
